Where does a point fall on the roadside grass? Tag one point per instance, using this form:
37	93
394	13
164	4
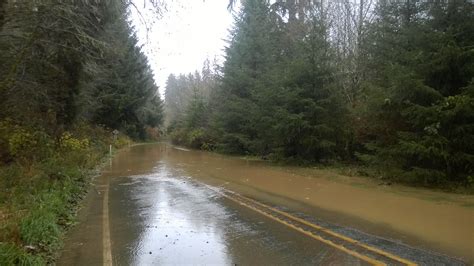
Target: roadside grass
377	176
39	198
11	254
384	177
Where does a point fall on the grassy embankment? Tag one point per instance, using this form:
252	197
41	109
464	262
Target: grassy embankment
43	180
198	140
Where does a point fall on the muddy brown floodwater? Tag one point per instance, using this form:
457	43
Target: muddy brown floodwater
161	212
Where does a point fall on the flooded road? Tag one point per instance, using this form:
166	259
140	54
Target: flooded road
156	204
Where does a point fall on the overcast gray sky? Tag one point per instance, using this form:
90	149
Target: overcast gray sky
188	32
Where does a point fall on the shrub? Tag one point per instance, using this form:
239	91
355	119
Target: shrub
13	255
195	138
122	141
24	143
40	230
70	143
179	136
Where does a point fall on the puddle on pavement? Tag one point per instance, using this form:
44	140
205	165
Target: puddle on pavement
408	214
161	215
167	219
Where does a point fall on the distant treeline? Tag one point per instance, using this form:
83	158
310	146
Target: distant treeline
387	84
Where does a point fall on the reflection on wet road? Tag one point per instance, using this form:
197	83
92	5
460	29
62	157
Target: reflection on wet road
162	212
179	221
184	222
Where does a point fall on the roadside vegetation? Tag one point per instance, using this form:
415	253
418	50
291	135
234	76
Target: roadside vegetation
382	85
41	188
71	73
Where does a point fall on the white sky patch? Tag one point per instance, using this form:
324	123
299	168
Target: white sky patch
189	32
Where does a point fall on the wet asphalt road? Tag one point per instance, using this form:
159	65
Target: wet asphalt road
158	213
166	219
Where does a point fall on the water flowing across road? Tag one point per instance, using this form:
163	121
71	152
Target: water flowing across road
158	204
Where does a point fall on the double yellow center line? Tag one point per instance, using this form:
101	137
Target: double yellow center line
363	252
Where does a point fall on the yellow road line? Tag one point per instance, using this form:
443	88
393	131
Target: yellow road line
373	249
329	242
106	246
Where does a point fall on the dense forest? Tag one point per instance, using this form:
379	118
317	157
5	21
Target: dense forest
71	72
384	84
69	63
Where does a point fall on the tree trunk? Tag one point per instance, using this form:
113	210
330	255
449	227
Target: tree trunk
3	7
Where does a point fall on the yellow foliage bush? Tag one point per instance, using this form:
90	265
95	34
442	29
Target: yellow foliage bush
20	140
17	141
69	142
121	141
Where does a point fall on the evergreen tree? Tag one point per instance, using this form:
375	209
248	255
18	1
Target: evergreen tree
248	60
403	102
74	61
310	125
422	77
